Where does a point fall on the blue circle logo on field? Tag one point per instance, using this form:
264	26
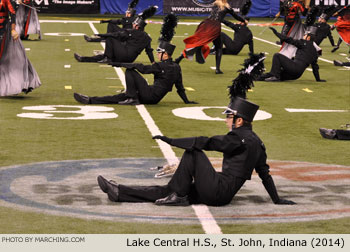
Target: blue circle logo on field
204	3
70	188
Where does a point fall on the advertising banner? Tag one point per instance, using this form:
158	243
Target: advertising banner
67	6
195	7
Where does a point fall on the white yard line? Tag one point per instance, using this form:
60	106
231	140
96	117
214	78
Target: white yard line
202	211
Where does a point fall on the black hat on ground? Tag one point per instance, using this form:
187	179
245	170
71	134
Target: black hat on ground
167	33
242	108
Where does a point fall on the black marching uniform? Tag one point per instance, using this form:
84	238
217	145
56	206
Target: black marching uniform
123	46
285	68
243	152
126	45
323	31
242	36
166	74
124	22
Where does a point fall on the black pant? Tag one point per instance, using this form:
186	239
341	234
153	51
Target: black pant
285	68
136	88
119	51
194	177
231	47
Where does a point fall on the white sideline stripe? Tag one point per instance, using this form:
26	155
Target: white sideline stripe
202	211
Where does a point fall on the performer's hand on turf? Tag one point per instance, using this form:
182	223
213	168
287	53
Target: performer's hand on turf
191	102
284	202
104	21
163	138
14	34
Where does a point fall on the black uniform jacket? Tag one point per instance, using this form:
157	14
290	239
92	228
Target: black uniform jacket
125	22
242	32
166	74
136	41
306	53
323	31
242	149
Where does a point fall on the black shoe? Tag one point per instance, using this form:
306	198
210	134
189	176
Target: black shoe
272	78
173	200
130	101
78	57
84	99
109	187
264	76
218	71
337	63
278	43
199	55
93	39
328	133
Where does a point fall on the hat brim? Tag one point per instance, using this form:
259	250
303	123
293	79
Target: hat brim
229	111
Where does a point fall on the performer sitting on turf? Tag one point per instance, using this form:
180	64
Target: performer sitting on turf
113	24
27	21
16	72
166	74
195	180
284	68
126	44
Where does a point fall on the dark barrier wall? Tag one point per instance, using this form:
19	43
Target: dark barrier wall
68	6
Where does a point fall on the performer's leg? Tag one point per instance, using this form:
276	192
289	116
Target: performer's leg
278	61
196	168
230	46
218	54
337	46
136	86
142	193
113	99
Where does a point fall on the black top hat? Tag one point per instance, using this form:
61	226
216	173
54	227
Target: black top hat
131	7
167	33
242	108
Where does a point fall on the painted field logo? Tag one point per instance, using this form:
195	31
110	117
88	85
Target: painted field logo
70	188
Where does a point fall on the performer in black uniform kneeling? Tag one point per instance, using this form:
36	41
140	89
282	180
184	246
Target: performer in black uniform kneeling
195	180
166	74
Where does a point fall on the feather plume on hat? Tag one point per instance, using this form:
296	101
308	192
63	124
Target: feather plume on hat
167	31
149	12
311	16
133	4
253	68
246	7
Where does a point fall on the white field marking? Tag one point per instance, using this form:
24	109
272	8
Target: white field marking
67	50
67	66
309	69
202	211
27	49
313	110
